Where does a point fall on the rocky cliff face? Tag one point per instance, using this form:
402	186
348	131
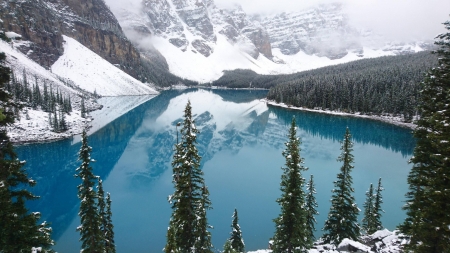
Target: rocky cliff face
323	30
90	22
194	25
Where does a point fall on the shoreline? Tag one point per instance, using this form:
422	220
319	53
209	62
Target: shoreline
386	119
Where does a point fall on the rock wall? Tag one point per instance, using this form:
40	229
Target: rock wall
90	22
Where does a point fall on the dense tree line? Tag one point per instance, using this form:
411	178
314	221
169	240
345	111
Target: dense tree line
387	84
29	94
376	86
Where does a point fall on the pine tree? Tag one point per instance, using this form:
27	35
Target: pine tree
45	103
235	242
19	230
290	232
428	200
91	234
188	224
311	205
62	121
83	108
227	247
109	229
342	219
368	222
377	206
101	206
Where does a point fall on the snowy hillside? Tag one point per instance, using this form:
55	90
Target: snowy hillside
92	73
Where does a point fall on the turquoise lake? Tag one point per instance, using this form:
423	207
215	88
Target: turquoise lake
241	139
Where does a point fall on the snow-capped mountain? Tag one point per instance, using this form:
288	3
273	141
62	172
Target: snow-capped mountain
199	40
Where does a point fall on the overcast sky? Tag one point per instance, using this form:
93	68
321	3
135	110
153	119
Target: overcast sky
396	19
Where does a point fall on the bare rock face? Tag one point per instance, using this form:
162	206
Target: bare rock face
36	23
235	23
88	21
202	47
322	30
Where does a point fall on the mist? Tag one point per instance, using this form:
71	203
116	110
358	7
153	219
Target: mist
401	20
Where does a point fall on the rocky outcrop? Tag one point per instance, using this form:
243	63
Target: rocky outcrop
90	22
237	26
323	30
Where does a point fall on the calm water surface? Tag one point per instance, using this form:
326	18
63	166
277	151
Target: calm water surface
240	140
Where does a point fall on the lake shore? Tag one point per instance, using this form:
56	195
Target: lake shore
33	126
387	119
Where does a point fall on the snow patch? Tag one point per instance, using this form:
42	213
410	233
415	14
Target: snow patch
94	74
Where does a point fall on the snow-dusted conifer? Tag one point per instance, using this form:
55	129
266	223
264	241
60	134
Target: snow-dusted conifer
203	243
235	242
110	246
377	206
342	221
19	230
368	221
91	234
428	199
188	225
83	108
62	121
291	234
311	205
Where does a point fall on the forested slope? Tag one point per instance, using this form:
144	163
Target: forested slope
387	84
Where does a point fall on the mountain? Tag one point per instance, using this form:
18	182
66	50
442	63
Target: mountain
199	40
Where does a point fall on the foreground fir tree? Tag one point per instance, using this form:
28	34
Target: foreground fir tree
368	222
377	206
110	246
235	243
188	226
92	237
311	205
291	235
342	221
428	199
19	229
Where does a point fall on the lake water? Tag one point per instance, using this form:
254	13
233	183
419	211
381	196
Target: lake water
240	140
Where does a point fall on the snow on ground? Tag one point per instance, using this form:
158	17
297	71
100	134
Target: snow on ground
37	128
398	121
92	73
226	56
382	241
17	61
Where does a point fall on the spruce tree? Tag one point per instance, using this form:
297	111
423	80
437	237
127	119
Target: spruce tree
291	234
368	222
342	221
91	234
62	121
311	205
235	242
188	224
101	206
19	230
377	206
428	200
83	108
110	246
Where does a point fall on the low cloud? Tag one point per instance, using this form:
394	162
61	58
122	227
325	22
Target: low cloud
394	19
